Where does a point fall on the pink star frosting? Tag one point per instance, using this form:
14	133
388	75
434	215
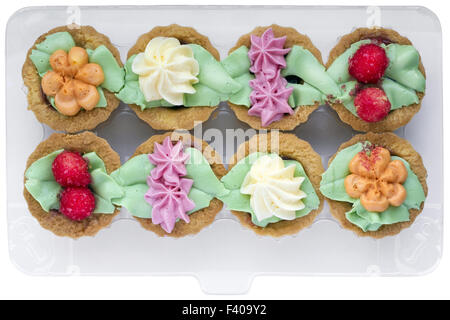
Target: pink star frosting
269	98
169	160
267	53
169	202
168	191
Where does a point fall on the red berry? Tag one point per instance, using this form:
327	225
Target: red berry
368	64
71	170
372	104
77	203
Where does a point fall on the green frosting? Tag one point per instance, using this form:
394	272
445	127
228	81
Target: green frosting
41	55
235	200
215	84
41	183
404	66
400	82
41	61
56	41
332	186
242	97
299	62
132	177
347	97
304	95
114	74
237	64
199	170
398	95
212	73
131	93
302	63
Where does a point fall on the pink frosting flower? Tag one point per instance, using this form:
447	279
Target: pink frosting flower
169	160
267	54
269	98
168	191
169	202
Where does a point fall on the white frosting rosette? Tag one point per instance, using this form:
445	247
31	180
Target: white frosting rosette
167	70
273	189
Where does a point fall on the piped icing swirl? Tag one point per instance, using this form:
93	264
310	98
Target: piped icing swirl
269	98
267	53
376	180
170	162
333	186
62	41
167	70
73	81
273	189
168	191
169	201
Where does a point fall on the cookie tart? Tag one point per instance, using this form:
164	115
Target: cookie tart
282	76
274	184
382	79
375	184
170	184
72	75
174	78
67	184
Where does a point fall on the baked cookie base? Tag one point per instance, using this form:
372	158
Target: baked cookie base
398	147
289	122
54	221
293	37
290	147
201	218
88	38
163	118
396	118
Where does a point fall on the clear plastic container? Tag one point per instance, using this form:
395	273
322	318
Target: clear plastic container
225	256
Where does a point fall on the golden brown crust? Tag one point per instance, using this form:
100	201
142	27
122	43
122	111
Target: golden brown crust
290	122
57	222
398	147
293	148
201	218
161	118
88	38
396	118
293	37
186	35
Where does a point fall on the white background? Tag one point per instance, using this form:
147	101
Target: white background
16	285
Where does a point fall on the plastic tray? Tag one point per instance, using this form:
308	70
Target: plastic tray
225	256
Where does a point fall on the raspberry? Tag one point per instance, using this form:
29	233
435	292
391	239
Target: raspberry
372	104
71	170
368	64
77	203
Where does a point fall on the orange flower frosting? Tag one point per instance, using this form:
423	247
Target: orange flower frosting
73	81
376	180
